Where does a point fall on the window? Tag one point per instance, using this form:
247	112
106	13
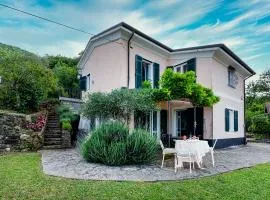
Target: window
189	65
146	71
88	82
232	77
231	120
181	68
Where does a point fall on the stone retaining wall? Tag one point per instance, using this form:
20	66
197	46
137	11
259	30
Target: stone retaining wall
14	136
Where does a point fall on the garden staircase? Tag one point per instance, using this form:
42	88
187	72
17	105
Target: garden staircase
52	134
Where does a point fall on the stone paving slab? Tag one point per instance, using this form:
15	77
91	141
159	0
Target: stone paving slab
68	163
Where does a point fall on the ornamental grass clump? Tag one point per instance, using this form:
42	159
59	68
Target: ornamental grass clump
142	147
112	144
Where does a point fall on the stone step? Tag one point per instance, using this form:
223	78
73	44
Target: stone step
52	130
54	135
53	121
51	126
53	117
53	142
48	140
52	147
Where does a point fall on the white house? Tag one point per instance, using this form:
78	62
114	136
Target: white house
123	56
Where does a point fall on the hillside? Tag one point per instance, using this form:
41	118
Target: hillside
8	51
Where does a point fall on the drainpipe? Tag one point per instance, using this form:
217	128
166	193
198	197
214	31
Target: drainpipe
128	55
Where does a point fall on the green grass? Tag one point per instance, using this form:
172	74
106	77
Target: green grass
21	178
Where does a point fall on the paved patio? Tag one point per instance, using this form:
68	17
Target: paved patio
69	164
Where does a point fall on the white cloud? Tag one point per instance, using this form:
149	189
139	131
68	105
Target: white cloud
164	20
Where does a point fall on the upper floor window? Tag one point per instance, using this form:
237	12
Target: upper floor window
146	70
85	82
232	77
189	65
181	68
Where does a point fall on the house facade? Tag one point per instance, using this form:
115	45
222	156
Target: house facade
123	56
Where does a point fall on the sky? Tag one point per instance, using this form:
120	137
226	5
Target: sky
243	25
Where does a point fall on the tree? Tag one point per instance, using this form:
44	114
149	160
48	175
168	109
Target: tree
184	86
25	83
67	77
66	71
118	104
53	61
257	94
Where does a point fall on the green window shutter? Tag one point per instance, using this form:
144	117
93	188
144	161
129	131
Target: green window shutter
155	75
191	65
227	120
83	82
235	120
138	71
154	120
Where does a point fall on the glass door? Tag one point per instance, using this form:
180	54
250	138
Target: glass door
181	123
178	124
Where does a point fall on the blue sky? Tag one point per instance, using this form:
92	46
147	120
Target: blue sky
243	25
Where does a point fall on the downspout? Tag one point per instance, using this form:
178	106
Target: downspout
128	55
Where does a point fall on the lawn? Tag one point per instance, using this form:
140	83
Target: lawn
21	178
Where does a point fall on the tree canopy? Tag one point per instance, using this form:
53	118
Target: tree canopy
25	83
183	85
118	104
29	78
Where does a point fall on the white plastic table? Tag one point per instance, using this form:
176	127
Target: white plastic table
196	148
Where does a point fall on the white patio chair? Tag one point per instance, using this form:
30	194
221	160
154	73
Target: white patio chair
165	151
181	158
212	152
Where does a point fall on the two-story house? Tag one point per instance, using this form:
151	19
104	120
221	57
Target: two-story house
123	56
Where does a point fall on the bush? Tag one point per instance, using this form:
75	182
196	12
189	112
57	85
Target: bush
26	83
111	144
66	114
142	147
37	123
260	124
66	125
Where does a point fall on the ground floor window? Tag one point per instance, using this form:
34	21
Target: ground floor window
148	121
231	120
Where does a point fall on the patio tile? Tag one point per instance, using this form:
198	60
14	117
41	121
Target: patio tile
68	163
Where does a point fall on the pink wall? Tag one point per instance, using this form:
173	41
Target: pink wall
107	66
213	74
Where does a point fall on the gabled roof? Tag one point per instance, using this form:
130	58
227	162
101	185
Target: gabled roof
136	31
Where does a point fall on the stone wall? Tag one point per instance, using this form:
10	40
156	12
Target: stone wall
14	136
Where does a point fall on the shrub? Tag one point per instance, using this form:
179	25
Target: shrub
260	124
66	125
37	123
142	147
111	144
66	114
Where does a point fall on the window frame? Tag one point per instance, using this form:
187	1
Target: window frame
231	73
231	118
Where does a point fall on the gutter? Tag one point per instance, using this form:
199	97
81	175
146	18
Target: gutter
128	55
